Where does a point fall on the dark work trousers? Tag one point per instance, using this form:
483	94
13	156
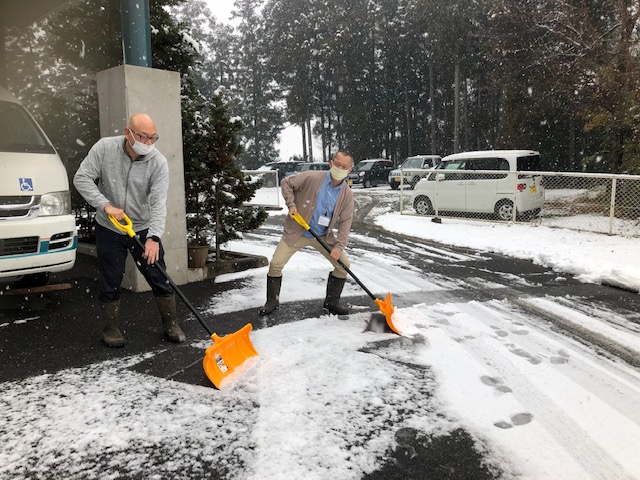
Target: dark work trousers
112	249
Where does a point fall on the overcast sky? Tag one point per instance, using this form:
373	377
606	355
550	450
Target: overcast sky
291	137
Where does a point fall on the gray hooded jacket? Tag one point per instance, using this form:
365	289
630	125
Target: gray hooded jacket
138	187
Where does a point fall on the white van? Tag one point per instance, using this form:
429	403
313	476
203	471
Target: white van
38	232
470	183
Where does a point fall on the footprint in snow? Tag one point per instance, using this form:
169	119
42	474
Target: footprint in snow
499	331
502	333
558	360
522	353
563	357
516	420
495	383
447	313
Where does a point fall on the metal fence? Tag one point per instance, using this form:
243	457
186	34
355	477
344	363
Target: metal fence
602	203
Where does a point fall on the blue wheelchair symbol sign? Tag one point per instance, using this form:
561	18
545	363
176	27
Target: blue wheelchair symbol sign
26	184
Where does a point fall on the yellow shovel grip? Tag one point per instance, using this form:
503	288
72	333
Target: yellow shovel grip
298	218
128	227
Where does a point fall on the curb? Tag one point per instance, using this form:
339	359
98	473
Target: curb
239	263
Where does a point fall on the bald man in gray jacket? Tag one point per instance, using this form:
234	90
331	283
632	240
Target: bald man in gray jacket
133	178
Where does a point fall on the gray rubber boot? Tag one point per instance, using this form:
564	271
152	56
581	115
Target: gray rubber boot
167	308
273	295
334	290
111	334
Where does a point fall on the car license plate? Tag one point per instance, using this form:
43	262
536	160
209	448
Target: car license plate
533	189
396	179
349	182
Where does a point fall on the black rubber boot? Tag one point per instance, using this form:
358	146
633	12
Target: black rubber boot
111	334
167	307
332	301
273	295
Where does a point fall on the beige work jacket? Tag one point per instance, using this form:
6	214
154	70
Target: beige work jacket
301	191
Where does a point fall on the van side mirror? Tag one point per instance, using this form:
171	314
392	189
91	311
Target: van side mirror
440	177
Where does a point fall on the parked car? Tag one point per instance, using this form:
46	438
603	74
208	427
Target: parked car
282	167
38	233
306	166
371	172
413	169
464	182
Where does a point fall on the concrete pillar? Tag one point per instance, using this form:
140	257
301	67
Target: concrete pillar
129	89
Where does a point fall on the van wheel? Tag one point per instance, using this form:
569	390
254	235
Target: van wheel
504	210
423	206
393	185
366	183
32	280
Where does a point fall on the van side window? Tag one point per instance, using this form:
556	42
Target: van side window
487	164
530	163
456	165
502	164
452	165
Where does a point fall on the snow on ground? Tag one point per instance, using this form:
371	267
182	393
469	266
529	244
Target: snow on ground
591	257
325	399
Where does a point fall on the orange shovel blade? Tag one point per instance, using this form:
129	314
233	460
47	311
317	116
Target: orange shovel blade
227	353
386	307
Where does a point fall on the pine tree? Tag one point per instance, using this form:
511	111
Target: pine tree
216	189
256	95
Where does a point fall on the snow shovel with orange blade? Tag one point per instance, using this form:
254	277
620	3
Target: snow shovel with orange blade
227	353
385	306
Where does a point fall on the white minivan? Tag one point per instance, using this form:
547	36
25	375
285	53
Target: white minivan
483	182
38	232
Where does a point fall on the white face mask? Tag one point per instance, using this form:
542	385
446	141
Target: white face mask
338	173
142	148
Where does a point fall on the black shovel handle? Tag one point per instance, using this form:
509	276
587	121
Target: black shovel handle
128	228
298	218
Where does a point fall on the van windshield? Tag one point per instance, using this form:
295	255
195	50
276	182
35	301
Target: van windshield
412	162
18	131
363	166
452	165
530	163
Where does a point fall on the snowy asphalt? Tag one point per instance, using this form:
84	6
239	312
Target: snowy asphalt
65	333
61	330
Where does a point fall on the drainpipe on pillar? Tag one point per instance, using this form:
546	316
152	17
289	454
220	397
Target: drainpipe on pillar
136	32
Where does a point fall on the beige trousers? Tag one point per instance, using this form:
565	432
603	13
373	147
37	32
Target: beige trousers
284	252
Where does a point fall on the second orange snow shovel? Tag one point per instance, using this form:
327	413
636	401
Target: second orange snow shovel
227	353
385	306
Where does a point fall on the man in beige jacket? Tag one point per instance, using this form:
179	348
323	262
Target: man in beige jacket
325	201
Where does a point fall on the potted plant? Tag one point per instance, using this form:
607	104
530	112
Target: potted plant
198	240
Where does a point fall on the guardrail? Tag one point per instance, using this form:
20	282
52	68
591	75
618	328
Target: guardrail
603	203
